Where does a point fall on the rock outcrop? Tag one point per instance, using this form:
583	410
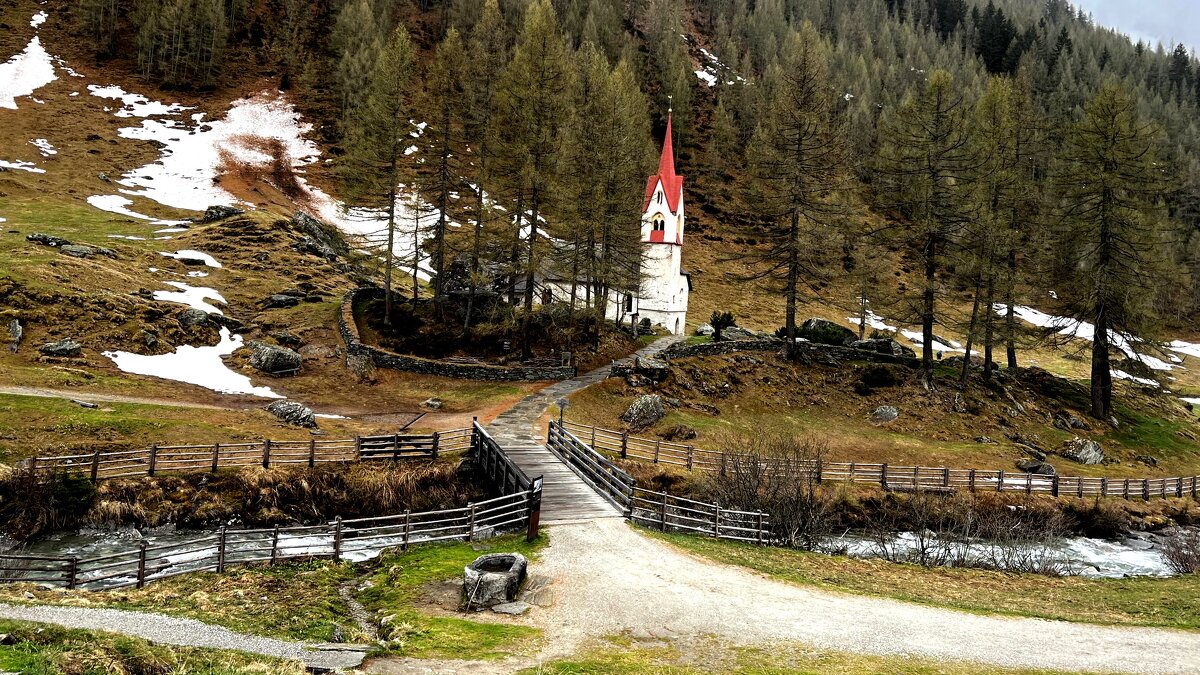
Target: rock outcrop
273	359
293	413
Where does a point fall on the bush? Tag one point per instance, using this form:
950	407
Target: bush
720	321
878	377
1182	552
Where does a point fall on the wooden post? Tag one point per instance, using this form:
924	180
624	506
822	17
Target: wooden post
1104	488
535	509
916	478
820	468
883	475
267	453
73	573
1195	489
717	520
851	472
1179	487
312	452
141	571
1054	485
33	467
337	539
657	451
1028	483
153	460
471	523
274	545
691	451
407	529
95	466
946	477
625	446
1079	485
437	436
1146	489
593	437
971	480
216	456
662	517
222	542
759	527
1000	481
358	448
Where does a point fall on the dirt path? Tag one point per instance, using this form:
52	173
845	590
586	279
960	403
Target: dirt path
171	630
118	398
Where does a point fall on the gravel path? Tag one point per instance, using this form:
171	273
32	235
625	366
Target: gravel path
171	630
609	579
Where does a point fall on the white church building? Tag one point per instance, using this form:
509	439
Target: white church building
663	294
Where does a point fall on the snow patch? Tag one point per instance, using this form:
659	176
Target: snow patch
873	321
21	165
115	204
44	147
135	105
916	338
192	296
192	254
1122	375
201	366
25	73
707	77
38	19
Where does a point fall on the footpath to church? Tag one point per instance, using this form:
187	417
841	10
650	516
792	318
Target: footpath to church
565	497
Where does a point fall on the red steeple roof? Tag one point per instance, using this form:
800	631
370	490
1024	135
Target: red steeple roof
671	182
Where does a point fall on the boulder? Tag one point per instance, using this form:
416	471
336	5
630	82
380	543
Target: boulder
1148	460
644	412
637	380
1036	466
325	236
704	329
512	608
76	250
494	579
1082	450
309	245
1069	422
985	440
16	333
737	333
884	346
293	413
47	239
884	414
655	369
679	432
273	359
220	212
281	301
826	332
193	317
433	403
64	348
286	338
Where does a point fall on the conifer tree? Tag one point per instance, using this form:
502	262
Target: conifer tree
1112	231
99	20
378	134
797	163
924	163
359	40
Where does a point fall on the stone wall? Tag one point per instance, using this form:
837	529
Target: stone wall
383	358
815	352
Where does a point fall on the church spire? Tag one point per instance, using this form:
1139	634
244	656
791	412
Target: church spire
666	163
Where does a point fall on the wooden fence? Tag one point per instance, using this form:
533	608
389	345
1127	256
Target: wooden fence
267	453
518	507
659	510
893	477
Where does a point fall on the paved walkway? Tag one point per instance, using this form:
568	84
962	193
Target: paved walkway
565	497
170	630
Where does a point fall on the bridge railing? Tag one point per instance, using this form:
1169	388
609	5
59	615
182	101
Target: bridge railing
598	471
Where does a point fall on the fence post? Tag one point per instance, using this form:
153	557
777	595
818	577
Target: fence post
471	523
153	460
916	478
1079	485
593	437
691	452
971	480
1000	480
946	477
407	529
221	544
312	452
437	436
1179	487
1054	485
33	467
358	449
1028	483
95	466
141	572
274	545
1146	489
717	520
820	468
337	539
216	456
759	529
662	518
73	573
883	476
535	509
267	453
625	446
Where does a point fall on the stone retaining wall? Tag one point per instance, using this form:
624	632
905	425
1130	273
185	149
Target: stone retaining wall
383	358
814	351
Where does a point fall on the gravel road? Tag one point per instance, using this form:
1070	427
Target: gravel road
609	579
185	632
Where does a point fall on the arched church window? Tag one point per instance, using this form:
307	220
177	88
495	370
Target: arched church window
629	303
658	197
659	224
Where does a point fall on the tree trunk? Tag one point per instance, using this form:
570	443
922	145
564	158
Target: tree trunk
527	319
387	254
966	366
988	322
862	316
793	279
927	310
475	252
1101	375
515	258
1010	321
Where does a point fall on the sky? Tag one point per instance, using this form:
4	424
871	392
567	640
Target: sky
1166	21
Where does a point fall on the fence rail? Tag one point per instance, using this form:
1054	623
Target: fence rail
267	453
606	478
669	513
517	508
893	477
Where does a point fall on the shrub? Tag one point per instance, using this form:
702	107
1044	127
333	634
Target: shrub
1182	552
720	321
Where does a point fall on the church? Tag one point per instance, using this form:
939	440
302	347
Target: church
663	293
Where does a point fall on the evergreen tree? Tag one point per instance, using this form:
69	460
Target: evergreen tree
378	134
796	161
1112	233
359	39
924	163
99	21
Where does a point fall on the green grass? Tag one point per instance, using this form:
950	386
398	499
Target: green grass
398	585
1142	432
42	649
622	656
1135	601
